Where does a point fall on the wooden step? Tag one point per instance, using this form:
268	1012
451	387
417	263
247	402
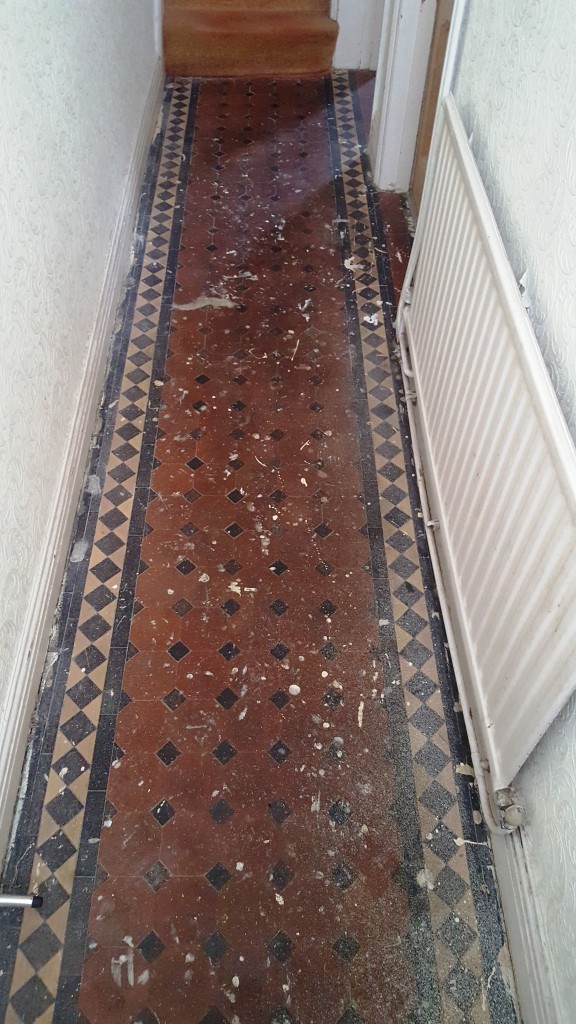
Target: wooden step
212	44
255	6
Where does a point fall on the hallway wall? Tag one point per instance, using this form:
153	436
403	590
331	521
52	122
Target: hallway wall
516	90
77	82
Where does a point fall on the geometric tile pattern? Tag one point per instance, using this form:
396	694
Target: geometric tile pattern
236	696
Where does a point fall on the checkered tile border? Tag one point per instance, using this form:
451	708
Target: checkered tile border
68	795
462	969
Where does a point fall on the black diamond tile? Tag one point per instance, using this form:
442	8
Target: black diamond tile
351	1017
54	896
281	876
77	728
426	720
280	752
215	947
41	946
192	495
279	651
391	472
235	496
70	766
333	698
229	651
280	699
463	986
281	1016
145	1016
162	812
450	886
182	607
218	876
403	567
100	598
234	530
56	850
232	567
63	807
151	946
185	567
416	653
421	686
188	529
214	1017
327	608
89	659
168	753
323	530
437	799
230	607
280	810
339	812
396	516
227	698
281	946
224	752
31	1001
156	875
277	497
118	495
178	650
456	935
329	651
279	567
95	627
277	435
195	463
173	699
343	876
278	607
432	758
221	812
347	947
408	593
441	842
111	543
411	622
235	464
84	692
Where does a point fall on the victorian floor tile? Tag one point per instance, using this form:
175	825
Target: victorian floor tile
242	804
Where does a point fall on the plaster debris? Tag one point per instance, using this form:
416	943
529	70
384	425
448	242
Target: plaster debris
206	302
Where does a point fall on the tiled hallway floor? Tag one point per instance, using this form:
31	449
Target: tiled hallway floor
246	800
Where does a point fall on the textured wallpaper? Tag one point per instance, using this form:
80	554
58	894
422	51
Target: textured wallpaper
74	78
516	90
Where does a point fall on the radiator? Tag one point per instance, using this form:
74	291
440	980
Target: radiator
498	465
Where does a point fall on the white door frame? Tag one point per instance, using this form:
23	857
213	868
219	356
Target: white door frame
360	22
399	89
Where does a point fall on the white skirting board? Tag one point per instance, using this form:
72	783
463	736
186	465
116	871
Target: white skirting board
23	687
532	972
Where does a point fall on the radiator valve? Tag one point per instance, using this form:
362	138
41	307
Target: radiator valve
513	816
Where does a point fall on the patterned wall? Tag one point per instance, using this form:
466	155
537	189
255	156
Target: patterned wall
74	77
516	90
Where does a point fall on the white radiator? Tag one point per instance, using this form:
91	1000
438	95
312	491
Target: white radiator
498	462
